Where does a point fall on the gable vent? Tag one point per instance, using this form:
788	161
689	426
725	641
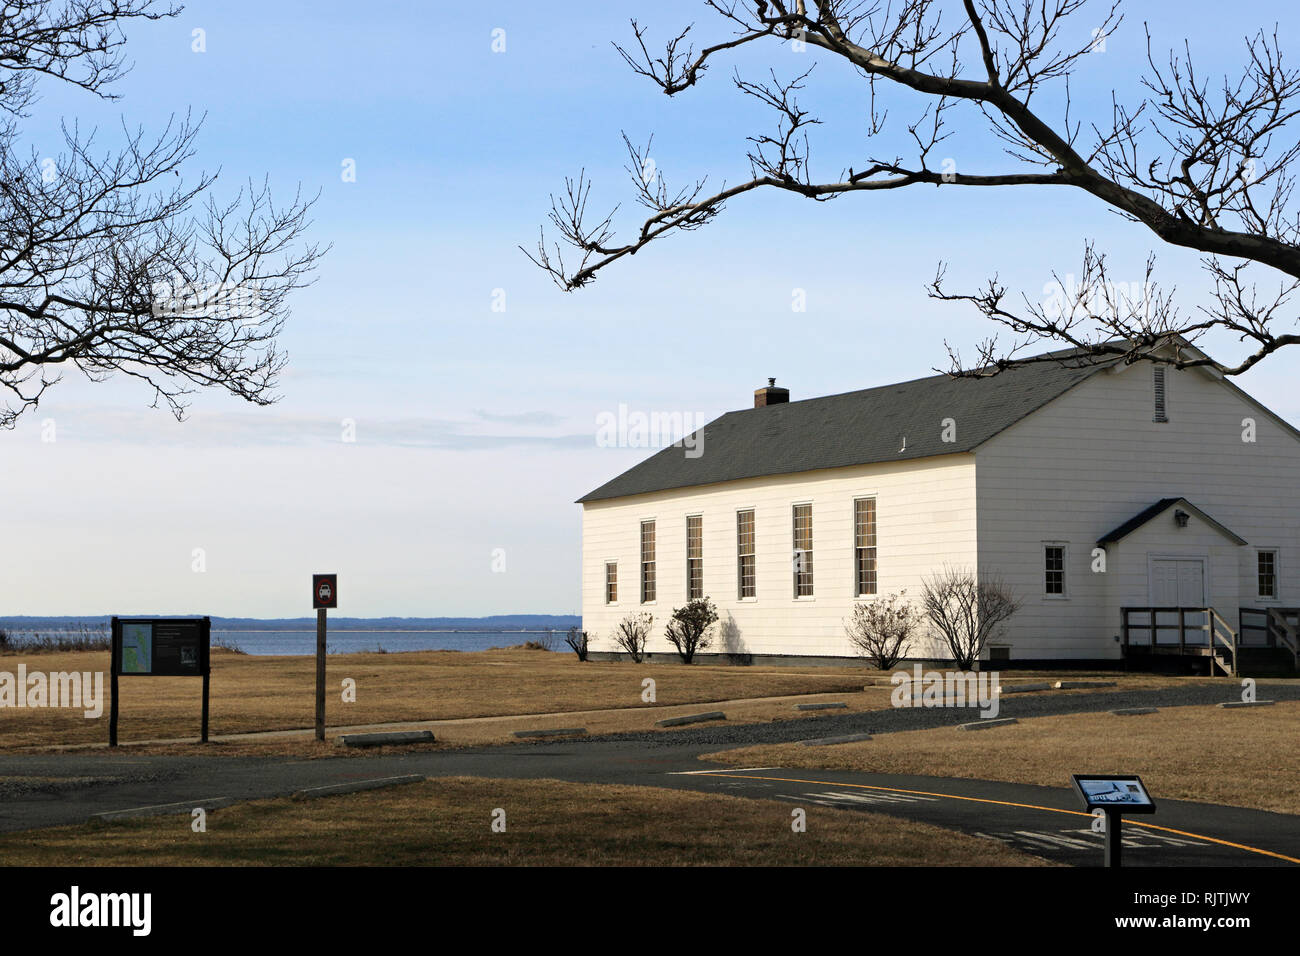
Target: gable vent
1158	391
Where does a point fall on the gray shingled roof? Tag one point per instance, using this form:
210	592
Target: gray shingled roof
854	428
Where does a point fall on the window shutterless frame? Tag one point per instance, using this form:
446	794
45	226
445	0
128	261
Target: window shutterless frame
1266	574
802	557
649	587
746	557
694	557
1055	557
865	568
611	582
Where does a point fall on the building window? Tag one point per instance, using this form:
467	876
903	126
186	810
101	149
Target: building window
745	554
1268	574
647	561
1054	570
611	582
864	546
694	557
803	553
1158	393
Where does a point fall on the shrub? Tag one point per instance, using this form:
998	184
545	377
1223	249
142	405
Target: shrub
632	633
882	629
577	640
688	630
967	611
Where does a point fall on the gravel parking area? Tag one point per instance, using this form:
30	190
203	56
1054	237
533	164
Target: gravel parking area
1041	704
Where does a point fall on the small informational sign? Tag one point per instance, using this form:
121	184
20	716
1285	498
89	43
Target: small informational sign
162	647
159	647
1124	792
324	590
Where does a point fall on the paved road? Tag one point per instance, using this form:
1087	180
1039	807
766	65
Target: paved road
46	790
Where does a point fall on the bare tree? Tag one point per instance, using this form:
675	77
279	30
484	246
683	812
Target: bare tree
882	629
578	642
1203	166
631	634
113	261
967	610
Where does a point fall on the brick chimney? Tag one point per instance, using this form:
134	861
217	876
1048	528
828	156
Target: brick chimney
770	395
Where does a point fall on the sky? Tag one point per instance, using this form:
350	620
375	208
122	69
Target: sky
471	386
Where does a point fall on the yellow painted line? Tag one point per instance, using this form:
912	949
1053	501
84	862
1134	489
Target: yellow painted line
1007	803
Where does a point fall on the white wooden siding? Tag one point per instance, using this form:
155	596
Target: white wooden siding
1068	473
925	517
1093	458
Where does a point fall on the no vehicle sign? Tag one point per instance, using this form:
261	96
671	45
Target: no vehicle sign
324	590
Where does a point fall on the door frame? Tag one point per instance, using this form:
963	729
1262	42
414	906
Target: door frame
1201	556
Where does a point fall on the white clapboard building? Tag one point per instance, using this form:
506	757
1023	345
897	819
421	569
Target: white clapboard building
1132	509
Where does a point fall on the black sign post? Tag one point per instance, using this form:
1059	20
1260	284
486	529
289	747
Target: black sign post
1116	794
159	647
324	595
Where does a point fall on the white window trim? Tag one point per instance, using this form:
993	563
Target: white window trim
853	548
1065	570
639	570
1277	576
735	529
687	556
604	583
802	598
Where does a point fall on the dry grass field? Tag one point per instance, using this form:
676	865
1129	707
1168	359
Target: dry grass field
1245	758
254	693
476	698
447	822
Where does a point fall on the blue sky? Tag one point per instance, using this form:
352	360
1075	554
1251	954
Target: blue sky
475	429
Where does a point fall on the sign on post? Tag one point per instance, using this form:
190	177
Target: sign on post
159	647
324	595
324	591
1115	794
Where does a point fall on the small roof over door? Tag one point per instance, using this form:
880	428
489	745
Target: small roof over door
1159	508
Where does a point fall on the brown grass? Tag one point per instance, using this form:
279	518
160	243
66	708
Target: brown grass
548	823
258	693
1243	758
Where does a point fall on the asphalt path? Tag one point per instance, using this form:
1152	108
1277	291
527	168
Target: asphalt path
67	788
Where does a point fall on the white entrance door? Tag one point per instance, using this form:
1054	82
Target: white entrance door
1179	582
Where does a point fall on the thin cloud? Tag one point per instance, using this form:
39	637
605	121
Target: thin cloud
226	429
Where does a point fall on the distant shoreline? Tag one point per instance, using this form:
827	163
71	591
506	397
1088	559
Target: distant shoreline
505	623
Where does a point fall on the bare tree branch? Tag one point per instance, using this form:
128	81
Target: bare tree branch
1201	166
110	262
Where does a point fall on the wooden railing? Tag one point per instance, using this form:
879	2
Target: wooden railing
1222	633
1284	632
1211	633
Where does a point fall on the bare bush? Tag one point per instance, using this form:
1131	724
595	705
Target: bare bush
577	640
632	633
967	610
882	629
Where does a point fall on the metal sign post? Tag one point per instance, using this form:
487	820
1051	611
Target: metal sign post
324	595
159	647
1115	794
